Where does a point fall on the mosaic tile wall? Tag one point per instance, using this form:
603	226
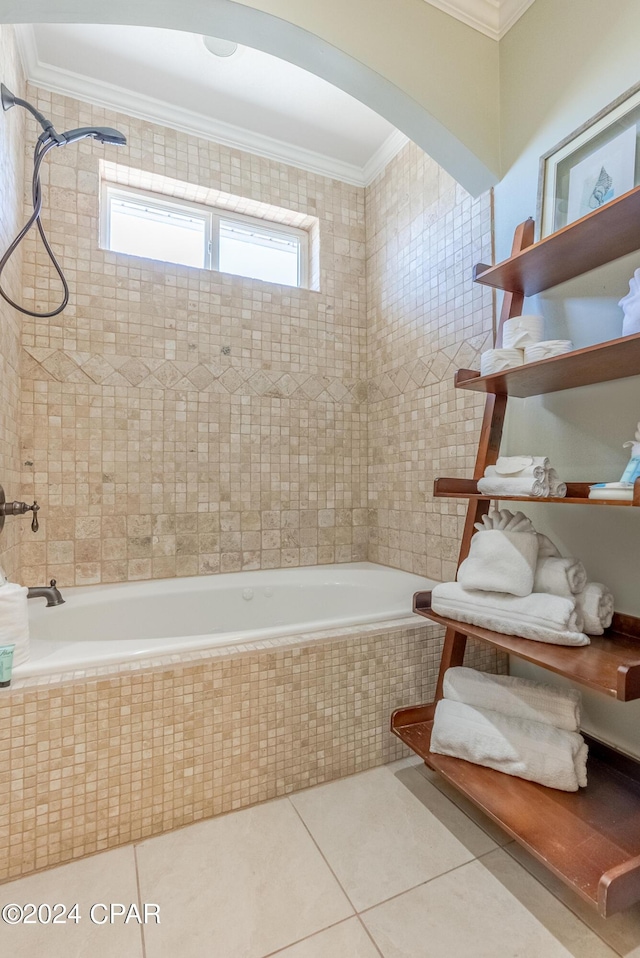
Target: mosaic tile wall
425	319
180	421
126	757
11	219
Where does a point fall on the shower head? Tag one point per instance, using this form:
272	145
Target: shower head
104	134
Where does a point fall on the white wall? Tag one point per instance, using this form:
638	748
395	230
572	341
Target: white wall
560	64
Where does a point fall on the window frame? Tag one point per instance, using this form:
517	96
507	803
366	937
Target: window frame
212	217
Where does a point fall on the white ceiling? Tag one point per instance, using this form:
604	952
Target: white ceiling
251	100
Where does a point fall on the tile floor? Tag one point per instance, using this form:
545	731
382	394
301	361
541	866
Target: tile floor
391	863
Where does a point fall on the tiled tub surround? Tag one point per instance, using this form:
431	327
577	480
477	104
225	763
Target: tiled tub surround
11	179
178	619
425	319
95	763
180	421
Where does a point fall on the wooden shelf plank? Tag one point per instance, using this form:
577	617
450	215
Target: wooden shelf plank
590	839
605	362
610	665
598	238
577	494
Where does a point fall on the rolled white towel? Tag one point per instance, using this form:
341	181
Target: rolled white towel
557	489
559	576
528	472
503	486
522	331
500	561
541	617
539	753
509	695
497	360
519	465
14	621
546	548
535	352
596	604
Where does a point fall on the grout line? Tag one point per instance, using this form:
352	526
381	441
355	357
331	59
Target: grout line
369	936
280	951
474	858
428	881
135	859
307	829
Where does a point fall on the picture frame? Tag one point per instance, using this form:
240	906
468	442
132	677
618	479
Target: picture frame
595	164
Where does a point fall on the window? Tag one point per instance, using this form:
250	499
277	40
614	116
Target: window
191	234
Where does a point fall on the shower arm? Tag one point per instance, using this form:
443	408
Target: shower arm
9	99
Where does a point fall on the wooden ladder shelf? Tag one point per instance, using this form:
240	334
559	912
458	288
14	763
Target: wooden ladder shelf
590	839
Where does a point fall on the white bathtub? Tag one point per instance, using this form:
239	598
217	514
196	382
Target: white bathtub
107	624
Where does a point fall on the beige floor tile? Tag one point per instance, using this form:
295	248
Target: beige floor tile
239	886
106	878
621	932
381	837
346	940
494	831
490	908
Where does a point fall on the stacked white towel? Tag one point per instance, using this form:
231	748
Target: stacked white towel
515	581
522	342
520	698
530	476
531	750
543	618
14	620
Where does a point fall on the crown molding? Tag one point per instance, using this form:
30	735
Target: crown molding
494	18
110	96
377	163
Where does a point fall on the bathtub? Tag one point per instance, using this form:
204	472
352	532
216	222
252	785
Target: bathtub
132	622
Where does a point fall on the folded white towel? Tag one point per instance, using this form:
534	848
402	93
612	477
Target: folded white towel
596	604
546	547
14	620
530	750
557	489
509	695
500	561
497	360
522	331
560	576
543	618
503	486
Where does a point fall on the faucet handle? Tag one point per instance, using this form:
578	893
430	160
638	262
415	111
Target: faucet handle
35	525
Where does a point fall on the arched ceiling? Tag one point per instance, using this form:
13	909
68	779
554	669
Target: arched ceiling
431	76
